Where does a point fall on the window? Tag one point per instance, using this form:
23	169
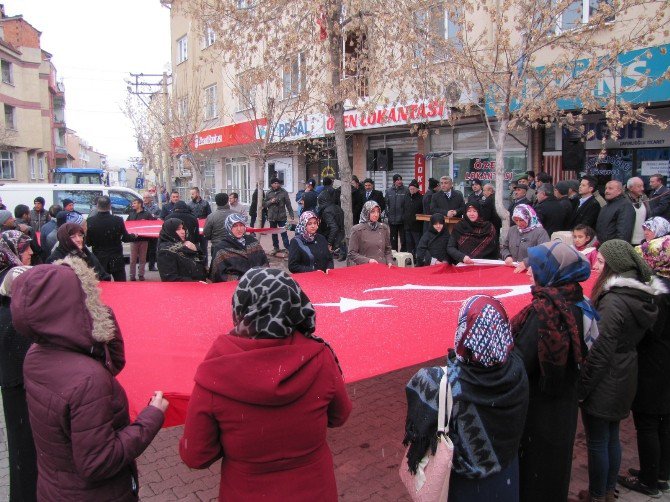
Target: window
84	200
40	165
580	12
121	201
435	26
293	79
282	169
7	72
209	38
210	102
182	49
7	165
33	171
182	108
246	95
355	61
9	117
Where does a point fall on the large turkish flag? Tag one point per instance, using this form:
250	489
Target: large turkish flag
376	319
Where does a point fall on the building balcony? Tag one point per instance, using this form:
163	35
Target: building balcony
60	152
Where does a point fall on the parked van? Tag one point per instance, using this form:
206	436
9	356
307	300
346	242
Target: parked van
83	196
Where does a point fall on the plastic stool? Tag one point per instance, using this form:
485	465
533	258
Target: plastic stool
403	259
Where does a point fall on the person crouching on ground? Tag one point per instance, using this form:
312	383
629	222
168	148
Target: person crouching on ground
86	444
264	397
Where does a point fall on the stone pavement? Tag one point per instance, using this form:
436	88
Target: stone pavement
367	450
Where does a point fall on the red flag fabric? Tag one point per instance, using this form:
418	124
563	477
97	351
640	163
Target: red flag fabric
377	319
152	228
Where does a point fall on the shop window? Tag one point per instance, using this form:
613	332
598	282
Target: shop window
282	169
237	178
471	138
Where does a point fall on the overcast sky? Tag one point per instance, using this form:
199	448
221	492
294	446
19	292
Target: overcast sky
95	45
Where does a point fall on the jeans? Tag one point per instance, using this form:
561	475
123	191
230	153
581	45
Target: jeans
138	251
653	446
604	453
284	235
397	231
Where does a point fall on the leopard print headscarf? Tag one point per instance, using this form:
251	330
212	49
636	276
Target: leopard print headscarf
268	303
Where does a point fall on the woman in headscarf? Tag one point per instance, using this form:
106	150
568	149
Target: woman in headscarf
654	228
472	237
432	247
178	259
490	397
71	238
86	443
309	249
527	232
549	336
15	256
625	295
237	252
264	397
651	406
370	240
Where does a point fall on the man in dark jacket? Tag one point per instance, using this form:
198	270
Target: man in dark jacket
588	209
413	228
278	203
477	192
199	206
215	226
169	207
139	248
105	235
561	192
659	199
448	201
38	215
357	199
395	199
617	218
549	211
432	188
332	219
371	194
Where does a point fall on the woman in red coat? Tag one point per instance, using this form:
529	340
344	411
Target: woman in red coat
264	397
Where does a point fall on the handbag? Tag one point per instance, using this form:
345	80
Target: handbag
431	481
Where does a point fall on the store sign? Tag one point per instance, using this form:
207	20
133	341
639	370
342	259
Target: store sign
220	137
635	135
485	170
650	167
420	171
292	130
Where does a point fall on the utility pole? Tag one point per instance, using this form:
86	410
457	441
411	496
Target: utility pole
142	85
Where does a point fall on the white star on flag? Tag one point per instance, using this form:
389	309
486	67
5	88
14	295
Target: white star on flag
347	304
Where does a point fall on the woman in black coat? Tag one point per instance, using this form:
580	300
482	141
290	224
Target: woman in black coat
309	249
549	337
434	242
625	296
15	252
472	237
651	407
413	227
71	242
178	259
237	252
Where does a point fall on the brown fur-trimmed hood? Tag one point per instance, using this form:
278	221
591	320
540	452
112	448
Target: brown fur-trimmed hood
60	305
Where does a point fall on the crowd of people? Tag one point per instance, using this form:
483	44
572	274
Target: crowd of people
518	384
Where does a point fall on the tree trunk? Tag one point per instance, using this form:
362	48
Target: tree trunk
260	173
337	110
503	130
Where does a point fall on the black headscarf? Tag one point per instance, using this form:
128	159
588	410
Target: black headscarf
168	231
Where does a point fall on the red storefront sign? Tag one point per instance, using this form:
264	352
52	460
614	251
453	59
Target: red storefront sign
420	171
221	137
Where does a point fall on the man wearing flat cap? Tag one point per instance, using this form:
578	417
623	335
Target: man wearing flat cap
519	191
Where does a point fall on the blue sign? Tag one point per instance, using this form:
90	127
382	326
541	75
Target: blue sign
139	183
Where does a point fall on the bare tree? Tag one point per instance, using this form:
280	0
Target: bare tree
536	63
